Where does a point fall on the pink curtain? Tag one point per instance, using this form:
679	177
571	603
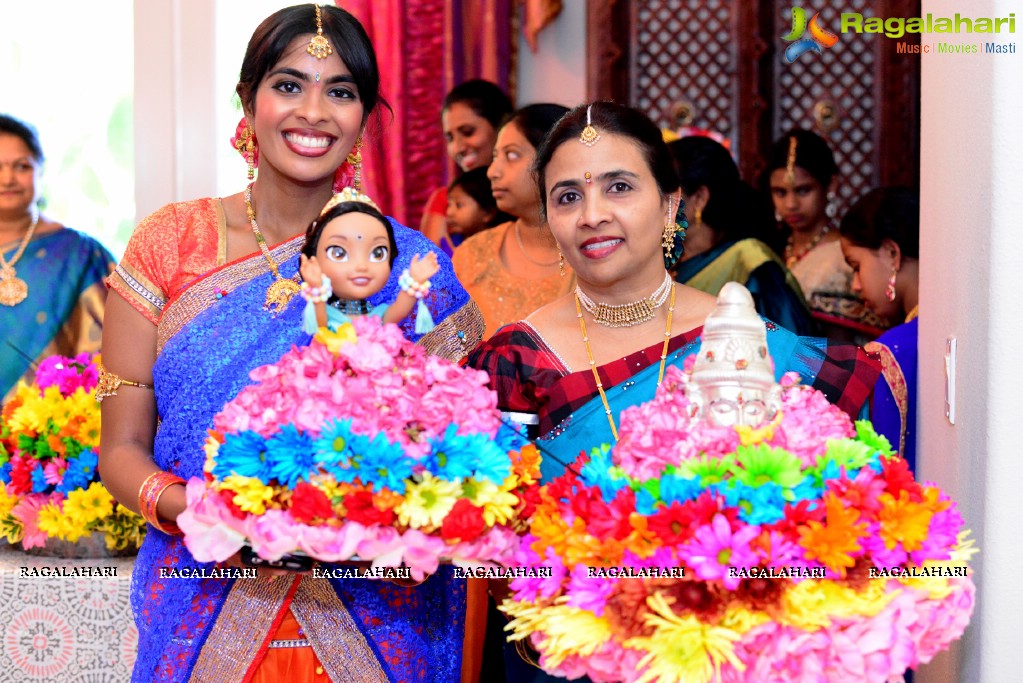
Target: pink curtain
424	47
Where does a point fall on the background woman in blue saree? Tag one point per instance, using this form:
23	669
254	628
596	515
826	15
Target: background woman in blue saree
572	366
51	277
880	237
202	299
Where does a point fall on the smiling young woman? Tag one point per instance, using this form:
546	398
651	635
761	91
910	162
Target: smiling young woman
203	296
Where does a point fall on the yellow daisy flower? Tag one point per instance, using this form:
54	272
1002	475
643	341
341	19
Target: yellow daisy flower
498	503
334	340
567	630
428	502
250	494
88	505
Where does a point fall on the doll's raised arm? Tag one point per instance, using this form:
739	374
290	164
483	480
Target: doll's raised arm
415	284
316	288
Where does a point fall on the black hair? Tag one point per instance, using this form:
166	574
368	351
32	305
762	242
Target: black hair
315	230
812	155
476	184
346	35
28	134
885	213
486	100
610	118
534	121
734	208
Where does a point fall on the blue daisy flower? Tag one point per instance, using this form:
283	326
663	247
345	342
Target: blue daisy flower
510	437
806	490
451	456
679	489
492	461
763	505
645	502
80	471
333	446
243	454
5	473
289	456
381	464
39	484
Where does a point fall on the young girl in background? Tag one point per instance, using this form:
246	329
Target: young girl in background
471	208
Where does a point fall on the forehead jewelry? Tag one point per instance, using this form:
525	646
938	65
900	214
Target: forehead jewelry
317	76
790	163
319	46
589	136
588	177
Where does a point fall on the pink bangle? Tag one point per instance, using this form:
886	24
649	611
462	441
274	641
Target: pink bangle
149	495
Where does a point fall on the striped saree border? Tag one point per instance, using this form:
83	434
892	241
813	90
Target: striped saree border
243	626
136	287
202	294
336	639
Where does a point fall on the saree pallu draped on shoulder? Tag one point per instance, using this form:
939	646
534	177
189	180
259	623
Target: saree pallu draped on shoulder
210	336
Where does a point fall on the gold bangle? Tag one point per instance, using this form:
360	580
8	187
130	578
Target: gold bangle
149	496
109	383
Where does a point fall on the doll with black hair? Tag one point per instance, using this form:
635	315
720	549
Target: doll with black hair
347	258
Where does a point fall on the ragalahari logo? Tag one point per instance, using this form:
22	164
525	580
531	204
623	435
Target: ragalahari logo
818	39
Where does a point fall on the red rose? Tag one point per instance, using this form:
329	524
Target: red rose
360	508
463	523
309	503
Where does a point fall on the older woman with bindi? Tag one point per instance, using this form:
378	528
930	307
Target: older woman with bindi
206	293
51	276
610	194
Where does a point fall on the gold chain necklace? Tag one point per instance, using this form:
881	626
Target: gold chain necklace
593	364
522	247
13	289
280	291
792	258
625	315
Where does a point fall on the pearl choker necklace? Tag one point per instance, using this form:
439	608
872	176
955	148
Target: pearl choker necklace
626	315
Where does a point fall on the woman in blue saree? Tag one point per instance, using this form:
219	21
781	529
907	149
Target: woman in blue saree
201	301
51	277
880	238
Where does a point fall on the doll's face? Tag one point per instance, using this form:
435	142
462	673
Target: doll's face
354	253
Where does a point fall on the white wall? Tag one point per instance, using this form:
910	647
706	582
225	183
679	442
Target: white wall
557	72
971	262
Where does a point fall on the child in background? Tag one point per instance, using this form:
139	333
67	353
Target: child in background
471	208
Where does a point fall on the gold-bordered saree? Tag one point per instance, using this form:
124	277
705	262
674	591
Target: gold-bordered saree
212	331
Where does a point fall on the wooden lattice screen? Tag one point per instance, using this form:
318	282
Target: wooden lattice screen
726	60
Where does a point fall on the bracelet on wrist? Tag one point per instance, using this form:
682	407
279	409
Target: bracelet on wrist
149	496
317	294
409	285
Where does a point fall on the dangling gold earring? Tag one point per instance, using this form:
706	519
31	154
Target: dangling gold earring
668	235
246	144
561	262
699	217
355	159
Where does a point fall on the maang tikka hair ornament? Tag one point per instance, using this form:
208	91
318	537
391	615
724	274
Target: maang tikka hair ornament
589	136
319	46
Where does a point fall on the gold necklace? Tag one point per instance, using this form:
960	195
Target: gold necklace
522	247
792	258
593	364
625	315
13	289
280	291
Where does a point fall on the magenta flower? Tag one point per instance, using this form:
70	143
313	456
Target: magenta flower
715	548
586	592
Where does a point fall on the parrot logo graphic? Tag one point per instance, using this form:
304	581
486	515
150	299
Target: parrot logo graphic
818	39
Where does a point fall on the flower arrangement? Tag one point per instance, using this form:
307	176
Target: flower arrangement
809	552
49	435
362	446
